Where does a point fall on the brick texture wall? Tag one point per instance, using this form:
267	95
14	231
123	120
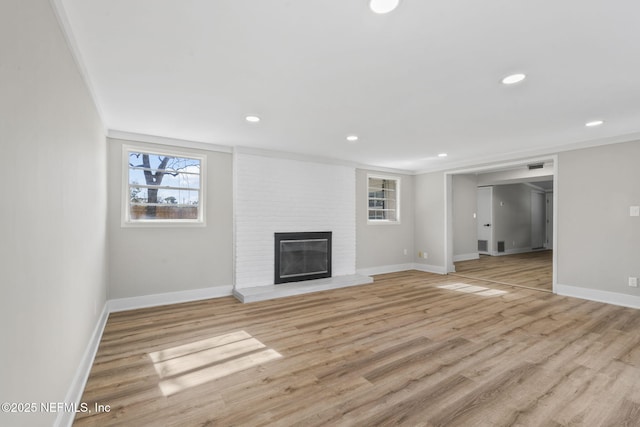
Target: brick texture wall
282	195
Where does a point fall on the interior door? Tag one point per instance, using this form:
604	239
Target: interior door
538	217
485	220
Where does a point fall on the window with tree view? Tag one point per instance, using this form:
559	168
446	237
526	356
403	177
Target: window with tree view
164	188
383	199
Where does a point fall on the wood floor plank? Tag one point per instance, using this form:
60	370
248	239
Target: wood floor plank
413	349
531	269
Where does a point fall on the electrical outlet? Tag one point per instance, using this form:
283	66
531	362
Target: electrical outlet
634	211
426	255
633	282
405	251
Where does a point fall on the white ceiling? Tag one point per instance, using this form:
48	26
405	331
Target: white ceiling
419	81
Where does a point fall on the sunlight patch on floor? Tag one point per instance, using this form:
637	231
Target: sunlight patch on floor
199	362
473	289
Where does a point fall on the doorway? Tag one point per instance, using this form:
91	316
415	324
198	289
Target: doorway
535	208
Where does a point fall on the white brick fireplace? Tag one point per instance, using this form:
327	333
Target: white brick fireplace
274	194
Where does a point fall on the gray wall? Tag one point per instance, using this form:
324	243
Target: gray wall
512	216
465	204
430	218
53	220
147	261
598	242
379	245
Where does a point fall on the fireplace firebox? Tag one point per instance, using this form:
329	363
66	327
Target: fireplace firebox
302	256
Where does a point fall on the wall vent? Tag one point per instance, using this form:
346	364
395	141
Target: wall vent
501	246
535	166
483	246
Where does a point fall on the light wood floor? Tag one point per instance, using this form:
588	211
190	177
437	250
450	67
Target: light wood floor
532	269
401	351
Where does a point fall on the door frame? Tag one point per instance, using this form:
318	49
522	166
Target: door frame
448	206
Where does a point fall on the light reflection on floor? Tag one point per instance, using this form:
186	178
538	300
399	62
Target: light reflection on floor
472	289
199	362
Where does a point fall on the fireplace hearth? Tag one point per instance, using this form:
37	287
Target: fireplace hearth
302	256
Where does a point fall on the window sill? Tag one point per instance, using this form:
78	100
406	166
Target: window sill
382	222
162	224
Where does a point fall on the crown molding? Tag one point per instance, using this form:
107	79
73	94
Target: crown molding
530	155
174	142
315	159
65	27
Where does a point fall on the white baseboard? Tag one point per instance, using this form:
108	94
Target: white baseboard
145	301
516	251
74	394
394	268
466	257
384	269
427	268
614	298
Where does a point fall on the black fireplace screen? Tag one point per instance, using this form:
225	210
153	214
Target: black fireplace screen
302	256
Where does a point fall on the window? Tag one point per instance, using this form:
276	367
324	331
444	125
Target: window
384	199
163	187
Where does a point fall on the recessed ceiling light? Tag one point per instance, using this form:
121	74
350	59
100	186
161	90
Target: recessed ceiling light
513	78
442	155
352	138
383	6
594	123
252	119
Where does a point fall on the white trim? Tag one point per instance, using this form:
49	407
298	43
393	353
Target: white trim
79	382
448	223
61	15
397	190
448	252
173	142
384	269
74	394
382	169
554	236
395	268
427	268
262	293
291	156
535	188
547	152
515	251
466	257
607	297
234	218
125	220
316	159
154	300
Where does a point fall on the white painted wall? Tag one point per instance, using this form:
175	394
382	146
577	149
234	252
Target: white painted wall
430	221
381	247
512	217
598	242
275	194
53	220
157	260
465	227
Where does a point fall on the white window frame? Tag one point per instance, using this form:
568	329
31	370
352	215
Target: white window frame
398	181
126	220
